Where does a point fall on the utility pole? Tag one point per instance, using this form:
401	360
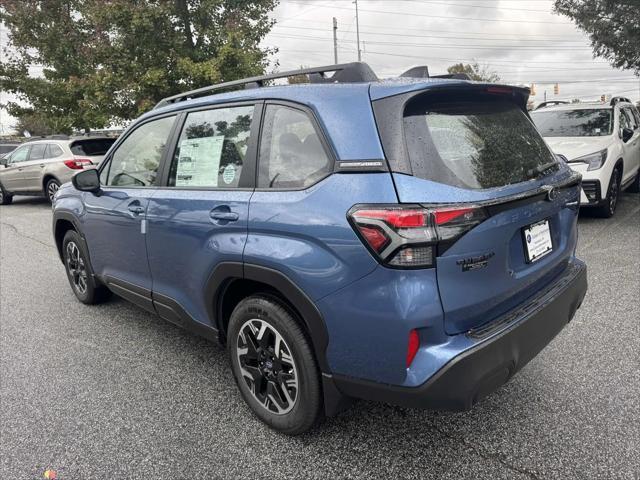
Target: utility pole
335	41
358	31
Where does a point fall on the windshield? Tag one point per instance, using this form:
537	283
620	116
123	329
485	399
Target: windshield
476	145
582	122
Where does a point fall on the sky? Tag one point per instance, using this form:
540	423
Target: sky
523	41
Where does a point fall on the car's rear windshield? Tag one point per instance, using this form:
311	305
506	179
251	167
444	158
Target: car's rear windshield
7	148
474	144
92	147
581	122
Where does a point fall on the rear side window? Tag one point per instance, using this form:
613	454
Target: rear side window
474	145
37	151
212	148
92	147
291	154
135	161
53	151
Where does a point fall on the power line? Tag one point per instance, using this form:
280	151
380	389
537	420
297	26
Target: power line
434	45
412	14
475	6
405	35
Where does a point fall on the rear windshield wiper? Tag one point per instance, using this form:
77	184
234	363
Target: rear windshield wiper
541	168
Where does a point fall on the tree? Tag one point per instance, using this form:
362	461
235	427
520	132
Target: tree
612	26
475	71
37	125
109	61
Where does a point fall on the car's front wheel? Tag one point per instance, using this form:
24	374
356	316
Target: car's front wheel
5	198
274	366
76	263
610	202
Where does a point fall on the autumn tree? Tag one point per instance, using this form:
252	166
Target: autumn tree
612	26
477	72
106	61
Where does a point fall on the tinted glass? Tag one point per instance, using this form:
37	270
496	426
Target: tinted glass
583	122
37	151
54	151
7	148
212	148
135	161
291	155
474	145
92	147
20	155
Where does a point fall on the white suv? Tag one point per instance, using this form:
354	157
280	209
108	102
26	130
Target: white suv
599	140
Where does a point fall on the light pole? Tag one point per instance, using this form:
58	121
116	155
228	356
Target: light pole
358	31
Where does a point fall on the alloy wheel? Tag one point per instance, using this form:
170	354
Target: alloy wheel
267	366
76	267
52	188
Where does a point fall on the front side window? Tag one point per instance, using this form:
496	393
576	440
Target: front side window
37	151
581	122
212	148
20	155
291	155
474	144
135	162
631	119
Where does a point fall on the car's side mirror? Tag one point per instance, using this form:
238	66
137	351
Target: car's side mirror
3	161
627	133
87	181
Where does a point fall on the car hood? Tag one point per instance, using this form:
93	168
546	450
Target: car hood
574	147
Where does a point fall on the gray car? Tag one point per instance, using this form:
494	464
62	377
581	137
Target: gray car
39	167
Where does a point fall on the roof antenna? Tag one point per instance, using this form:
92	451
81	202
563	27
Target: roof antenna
421	71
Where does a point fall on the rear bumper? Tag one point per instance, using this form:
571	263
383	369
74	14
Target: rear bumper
481	369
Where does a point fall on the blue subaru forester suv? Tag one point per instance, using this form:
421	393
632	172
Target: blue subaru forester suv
410	241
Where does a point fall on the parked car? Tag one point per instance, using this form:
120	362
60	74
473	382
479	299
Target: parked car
404	241
601	141
6	148
39	167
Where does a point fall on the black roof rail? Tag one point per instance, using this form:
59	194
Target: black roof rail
344	73
552	102
615	100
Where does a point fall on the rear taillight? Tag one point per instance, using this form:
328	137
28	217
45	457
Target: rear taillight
409	236
77	163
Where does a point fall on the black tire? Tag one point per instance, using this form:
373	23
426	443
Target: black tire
5	197
79	273
299	408
50	189
609	204
635	186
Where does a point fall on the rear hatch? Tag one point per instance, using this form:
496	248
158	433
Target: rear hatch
473	151
93	149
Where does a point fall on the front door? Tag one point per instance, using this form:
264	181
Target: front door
631	147
115	219
11	176
198	219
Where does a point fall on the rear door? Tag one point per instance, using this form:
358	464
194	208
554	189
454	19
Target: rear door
481	150
197	219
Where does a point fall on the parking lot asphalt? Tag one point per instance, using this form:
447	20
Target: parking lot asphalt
111	391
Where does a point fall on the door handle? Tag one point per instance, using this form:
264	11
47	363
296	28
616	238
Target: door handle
137	209
225	216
